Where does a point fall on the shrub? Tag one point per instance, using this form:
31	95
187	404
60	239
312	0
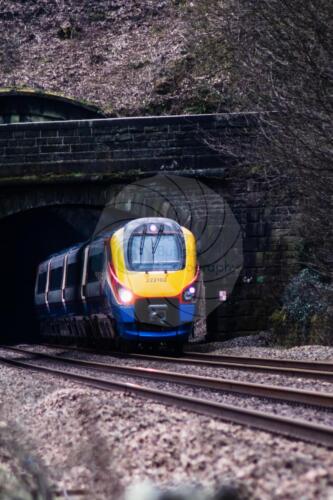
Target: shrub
305	296
304	315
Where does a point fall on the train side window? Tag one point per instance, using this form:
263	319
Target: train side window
41	285
72	275
95	266
55	279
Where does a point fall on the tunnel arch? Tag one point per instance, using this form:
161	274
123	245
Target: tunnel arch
29	105
23	198
27	238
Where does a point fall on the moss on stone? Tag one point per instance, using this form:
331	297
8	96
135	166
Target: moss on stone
50	178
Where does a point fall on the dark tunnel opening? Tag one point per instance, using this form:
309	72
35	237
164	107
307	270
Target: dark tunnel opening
27	239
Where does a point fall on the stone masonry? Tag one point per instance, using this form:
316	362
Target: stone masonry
81	162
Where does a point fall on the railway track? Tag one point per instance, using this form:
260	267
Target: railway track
242	364
294	428
320	399
310	366
304	369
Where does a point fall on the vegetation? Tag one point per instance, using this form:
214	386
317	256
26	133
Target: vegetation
271	56
304	315
127	57
276	56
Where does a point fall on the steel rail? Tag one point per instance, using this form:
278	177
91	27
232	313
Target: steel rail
296	429
245	364
315	366
321	399
326	375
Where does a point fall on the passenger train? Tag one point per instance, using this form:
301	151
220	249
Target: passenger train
136	284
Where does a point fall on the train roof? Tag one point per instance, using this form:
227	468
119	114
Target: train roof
130	223
168	224
66	250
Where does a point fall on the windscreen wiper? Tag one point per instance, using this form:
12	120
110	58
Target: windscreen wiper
158	239
142	242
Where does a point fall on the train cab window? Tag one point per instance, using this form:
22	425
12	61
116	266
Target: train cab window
148	252
95	264
55	279
41	284
72	275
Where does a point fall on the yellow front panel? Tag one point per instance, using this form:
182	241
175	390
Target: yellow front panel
154	283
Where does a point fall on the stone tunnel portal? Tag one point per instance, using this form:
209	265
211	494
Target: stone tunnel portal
26	239
23	105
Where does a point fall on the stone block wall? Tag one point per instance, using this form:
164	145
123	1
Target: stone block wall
84	156
119	148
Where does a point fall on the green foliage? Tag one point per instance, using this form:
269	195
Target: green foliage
304	315
180	3
203	100
303	297
256	169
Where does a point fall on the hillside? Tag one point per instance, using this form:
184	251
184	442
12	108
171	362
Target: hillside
126	56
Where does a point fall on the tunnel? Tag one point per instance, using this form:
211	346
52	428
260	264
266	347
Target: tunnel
27	238
28	105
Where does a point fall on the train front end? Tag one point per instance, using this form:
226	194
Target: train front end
153	281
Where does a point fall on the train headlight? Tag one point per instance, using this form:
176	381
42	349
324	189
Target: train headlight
121	294
126	296
189	293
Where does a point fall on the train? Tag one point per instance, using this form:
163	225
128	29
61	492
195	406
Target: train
135	284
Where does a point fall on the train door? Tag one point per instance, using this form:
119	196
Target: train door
41	290
94	275
54	294
71	283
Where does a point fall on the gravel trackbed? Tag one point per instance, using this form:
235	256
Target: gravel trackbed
96	444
